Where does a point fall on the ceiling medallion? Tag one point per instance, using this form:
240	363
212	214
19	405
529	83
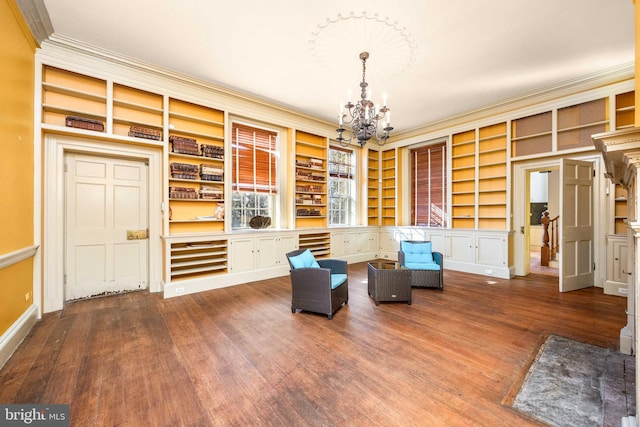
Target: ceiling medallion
337	41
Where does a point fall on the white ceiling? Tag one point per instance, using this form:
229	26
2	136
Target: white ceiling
468	54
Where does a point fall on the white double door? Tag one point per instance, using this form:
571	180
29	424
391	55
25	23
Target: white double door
106	221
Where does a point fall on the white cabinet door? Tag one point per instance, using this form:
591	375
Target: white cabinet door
373	242
271	251
337	244
619	254
461	248
242	255
362	241
267	252
287	244
387	242
490	250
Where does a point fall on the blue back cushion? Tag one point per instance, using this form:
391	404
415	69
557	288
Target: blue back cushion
305	259
417	252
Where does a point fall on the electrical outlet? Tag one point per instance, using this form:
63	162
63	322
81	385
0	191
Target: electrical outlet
179	290
27	296
488	272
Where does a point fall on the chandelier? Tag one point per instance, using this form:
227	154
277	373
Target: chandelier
363	117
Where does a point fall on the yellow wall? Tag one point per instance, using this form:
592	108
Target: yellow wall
17	50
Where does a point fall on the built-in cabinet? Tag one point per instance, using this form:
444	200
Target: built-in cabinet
617	265
190	258
260	252
318	243
482	252
348	243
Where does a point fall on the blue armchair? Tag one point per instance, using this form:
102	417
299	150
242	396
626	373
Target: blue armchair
320	286
424	263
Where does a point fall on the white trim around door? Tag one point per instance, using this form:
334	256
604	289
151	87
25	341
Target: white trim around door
54	204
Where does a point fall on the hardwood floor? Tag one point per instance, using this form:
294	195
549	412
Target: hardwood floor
238	356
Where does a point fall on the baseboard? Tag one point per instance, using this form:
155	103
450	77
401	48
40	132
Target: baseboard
616	288
11	339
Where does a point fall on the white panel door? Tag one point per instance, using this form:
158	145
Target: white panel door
105	198
576	221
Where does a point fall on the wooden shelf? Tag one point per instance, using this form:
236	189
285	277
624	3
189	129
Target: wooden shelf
75	93
193	259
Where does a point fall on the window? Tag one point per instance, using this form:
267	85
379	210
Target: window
254	164
429	185
341	186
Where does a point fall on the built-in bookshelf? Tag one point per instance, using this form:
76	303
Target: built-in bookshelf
373	187
137	109
532	135
196	168
625	110
492	177
388	187
625	119
310	180
620	210
463	179
578	122
66	94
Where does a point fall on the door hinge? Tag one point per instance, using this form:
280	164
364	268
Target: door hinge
66	167
594	266
65	279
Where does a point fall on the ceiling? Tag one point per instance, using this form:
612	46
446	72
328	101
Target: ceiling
434	59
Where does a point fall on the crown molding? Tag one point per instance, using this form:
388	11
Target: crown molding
591	81
37	18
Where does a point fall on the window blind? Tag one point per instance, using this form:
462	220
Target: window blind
254	159
428	185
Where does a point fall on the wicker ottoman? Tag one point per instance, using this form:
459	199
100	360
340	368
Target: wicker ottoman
388	281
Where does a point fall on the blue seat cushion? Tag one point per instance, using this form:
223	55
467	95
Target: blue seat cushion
337	280
304	260
418	252
422	266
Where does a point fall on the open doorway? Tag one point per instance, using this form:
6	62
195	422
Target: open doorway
579	180
544	212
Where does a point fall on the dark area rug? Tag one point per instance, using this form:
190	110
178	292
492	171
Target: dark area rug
576	384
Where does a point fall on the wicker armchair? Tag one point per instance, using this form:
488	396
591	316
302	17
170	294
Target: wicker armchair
318	286
425	265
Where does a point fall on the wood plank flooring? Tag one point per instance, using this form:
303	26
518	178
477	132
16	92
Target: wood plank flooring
238	357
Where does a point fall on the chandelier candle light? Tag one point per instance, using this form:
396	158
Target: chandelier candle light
363	117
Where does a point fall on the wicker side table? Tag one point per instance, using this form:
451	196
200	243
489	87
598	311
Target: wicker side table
388	281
